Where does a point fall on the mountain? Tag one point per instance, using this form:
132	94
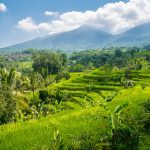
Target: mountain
147	47
136	36
84	37
87	37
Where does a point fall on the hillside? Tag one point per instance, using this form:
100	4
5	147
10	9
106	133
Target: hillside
138	36
86	101
84	122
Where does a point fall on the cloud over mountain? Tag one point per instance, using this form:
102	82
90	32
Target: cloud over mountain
112	17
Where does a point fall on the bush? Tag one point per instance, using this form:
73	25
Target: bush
35	101
144	85
61	75
116	78
57	143
127	83
43	96
46	97
77	68
125	139
62	96
8	106
146	116
86	141
48	109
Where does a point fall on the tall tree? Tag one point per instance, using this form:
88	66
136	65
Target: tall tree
49	61
35	81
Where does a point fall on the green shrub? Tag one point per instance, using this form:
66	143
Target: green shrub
57	143
144	85
125	138
48	109
62	74
43	96
146	116
8	106
127	83
86	141
62	95
77	68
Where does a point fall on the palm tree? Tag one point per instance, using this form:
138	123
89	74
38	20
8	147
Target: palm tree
8	78
7	98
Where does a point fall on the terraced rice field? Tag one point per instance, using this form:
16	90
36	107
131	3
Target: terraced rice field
88	89
83	115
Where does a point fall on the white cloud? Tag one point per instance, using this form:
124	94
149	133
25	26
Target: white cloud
27	24
3	7
112	17
51	13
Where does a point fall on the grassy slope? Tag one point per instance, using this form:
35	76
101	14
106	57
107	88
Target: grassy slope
85	118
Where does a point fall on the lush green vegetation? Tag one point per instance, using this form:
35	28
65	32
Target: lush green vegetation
90	100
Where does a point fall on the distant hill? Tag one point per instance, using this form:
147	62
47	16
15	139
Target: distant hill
87	37
84	37
147	47
137	36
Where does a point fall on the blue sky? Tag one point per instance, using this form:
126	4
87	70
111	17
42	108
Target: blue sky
27	19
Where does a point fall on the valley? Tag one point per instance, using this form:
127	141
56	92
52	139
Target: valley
76	111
